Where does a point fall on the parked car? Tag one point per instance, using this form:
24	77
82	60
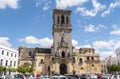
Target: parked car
115	77
58	77
70	76
105	77
28	76
93	76
84	76
77	76
18	76
6	77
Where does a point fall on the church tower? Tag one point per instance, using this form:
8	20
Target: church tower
62	49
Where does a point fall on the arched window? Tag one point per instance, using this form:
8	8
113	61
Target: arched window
63	54
62	19
92	58
80	60
88	58
52	59
41	60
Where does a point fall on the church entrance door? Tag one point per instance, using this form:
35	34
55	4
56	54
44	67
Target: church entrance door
63	68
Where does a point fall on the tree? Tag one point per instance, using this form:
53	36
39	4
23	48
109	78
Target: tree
11	70
24	69
1	69
113	68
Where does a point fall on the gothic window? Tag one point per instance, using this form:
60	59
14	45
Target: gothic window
88	58
80	60
62	19
58	20
41	60
63	54
52	59
92	58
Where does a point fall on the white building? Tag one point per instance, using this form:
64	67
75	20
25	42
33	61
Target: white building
8	57
117	52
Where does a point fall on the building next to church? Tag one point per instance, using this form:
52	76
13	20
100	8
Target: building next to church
62	57
8	58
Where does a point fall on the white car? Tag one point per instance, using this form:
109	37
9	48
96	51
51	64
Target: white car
93	76
115	77
58	77
6	77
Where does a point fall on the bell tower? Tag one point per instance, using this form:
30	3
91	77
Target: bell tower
62	40
62	49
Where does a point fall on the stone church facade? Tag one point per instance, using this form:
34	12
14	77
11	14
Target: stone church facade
62	57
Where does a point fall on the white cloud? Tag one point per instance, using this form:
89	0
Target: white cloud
96	8
86	46
107	48
115	27
62	4
38	3
90	28
103	44
5	41
93	28
111	7
43	42
115	32
8	3
46	42
74	42
106	54
77	46
46	7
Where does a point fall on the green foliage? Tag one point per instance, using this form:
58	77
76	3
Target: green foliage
113	68
1	68
11	69
24	69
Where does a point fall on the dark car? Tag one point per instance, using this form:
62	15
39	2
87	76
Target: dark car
84	76
77	76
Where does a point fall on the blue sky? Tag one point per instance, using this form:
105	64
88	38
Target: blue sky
95	23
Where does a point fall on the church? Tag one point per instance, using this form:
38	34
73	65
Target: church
61	57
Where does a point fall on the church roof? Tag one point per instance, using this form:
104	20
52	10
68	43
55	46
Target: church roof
43	50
